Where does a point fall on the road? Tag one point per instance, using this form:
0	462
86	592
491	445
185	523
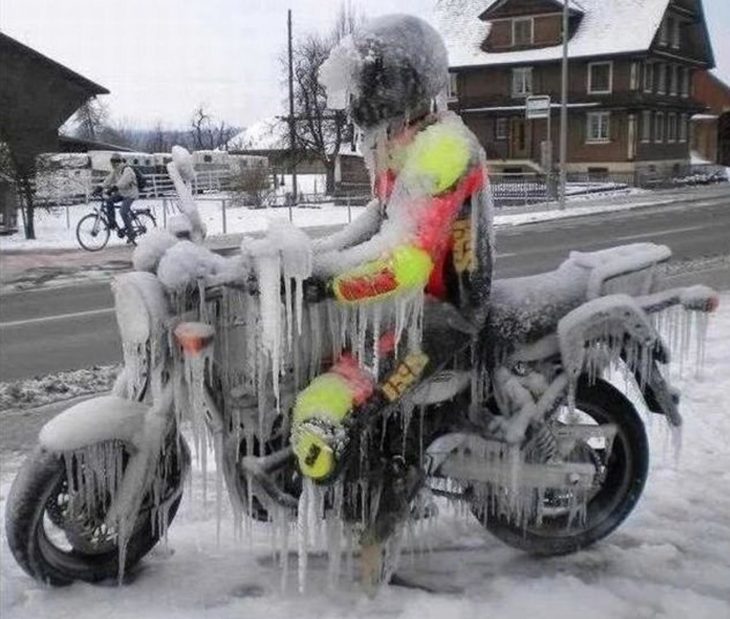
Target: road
48	330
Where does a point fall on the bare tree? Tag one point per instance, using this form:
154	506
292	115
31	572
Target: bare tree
17	161
250	185
157	141
207	133
200	128
90	119
318	129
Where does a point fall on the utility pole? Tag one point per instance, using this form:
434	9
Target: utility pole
564	106
292	134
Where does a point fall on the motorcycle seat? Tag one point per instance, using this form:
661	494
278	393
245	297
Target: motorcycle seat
524	309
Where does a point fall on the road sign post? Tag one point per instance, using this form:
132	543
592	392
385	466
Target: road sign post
537	107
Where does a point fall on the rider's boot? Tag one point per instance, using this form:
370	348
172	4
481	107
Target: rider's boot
319	435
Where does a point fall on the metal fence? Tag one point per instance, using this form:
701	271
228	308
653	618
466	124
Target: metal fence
521	189
509	189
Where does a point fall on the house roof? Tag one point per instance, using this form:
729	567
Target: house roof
265	135
573	6
608	27
70	142
16	46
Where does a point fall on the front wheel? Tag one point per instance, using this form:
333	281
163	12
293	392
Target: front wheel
58	537
92	232
624	467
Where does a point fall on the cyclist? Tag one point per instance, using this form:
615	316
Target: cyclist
120	186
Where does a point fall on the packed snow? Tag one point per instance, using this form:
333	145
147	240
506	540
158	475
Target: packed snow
670	559
56	229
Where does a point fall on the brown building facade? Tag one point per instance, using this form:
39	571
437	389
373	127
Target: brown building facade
710	131
630	95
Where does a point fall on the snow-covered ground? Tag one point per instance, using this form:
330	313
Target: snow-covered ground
56	229
670	559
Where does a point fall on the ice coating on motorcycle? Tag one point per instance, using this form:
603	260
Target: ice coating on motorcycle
348	386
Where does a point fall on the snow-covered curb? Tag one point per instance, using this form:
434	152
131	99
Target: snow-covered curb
38	391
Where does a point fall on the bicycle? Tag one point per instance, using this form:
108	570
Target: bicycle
93	230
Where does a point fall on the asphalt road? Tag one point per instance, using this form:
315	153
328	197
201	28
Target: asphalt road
49	330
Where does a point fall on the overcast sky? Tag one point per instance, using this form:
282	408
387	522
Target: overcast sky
161	58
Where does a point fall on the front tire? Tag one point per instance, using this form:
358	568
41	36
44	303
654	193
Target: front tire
626	473
92	233
58	549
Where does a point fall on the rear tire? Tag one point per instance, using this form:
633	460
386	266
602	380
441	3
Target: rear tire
36	525
627	470
144	222
92	233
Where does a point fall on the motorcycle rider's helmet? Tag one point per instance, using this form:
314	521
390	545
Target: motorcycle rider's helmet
395	66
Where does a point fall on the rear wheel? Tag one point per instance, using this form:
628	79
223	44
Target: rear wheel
621	472
92	232
59	544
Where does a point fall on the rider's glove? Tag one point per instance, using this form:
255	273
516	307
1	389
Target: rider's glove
316	290
96	191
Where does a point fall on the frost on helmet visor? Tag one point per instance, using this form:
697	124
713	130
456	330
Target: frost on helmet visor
394	66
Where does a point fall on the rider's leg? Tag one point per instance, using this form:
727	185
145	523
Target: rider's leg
318	425
109	206
126	212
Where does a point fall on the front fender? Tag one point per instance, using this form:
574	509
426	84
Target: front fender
94	421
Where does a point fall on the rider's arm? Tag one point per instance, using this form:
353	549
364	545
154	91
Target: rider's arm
424	204
109	181
356	232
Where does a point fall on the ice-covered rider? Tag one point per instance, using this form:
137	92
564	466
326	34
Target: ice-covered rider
120	186
429	226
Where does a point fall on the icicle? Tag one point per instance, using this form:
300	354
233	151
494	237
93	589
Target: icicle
303	533
334	537
267	261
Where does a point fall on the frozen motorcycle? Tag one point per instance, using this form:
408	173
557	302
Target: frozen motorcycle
523	427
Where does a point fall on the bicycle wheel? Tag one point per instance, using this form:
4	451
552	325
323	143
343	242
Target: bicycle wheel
143	221
92	232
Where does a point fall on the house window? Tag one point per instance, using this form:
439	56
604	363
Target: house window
683	128
500	129
659	127
600	77
634	79
522	82
664	32
648	76
685	81
674	80
671	127
523	31
676	33
661	78
453	85
598	129
646	126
